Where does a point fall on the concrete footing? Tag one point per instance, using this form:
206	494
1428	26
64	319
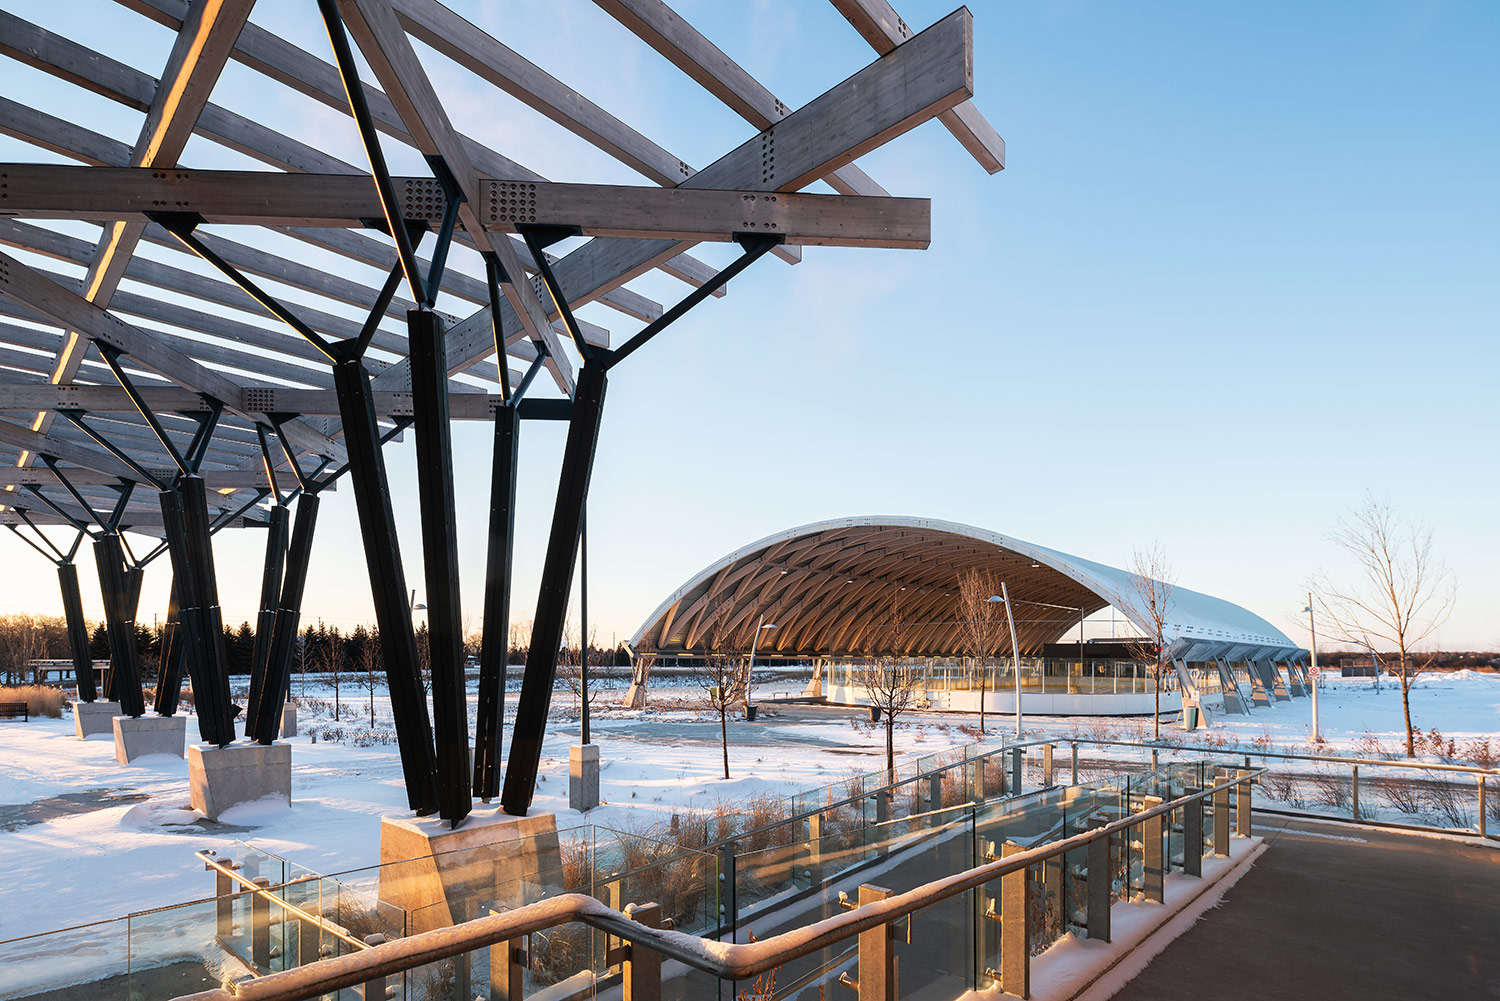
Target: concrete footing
138	736
583	777
90	718
442	877
289	721
222	777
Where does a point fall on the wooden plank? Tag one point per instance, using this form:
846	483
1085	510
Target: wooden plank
661	27
239	197
880	25
890	96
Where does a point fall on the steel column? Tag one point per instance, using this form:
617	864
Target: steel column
377	523
557	583
169	671
434	441
185	518
78	631
267	712
265	619
495	648
123	682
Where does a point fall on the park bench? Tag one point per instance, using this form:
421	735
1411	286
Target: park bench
11	710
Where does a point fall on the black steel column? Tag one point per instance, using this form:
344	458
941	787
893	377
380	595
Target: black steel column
123	683
434	440
185	517
583	620
169	671
377	525
78	631
557	583
267	712
265	619
495	648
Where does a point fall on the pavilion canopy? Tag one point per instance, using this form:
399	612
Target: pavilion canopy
829	589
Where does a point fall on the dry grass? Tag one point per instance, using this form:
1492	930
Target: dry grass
40	700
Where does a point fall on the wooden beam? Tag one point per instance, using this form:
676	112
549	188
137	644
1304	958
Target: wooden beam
489	59
201	49
882	27
244	197
931	73
86	321
388	51
307	402
662	28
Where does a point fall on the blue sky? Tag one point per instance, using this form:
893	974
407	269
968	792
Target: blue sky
1240	268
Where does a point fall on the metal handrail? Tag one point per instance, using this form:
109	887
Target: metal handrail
1242	749
725	960
212	861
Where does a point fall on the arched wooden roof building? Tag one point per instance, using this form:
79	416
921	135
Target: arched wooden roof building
829	587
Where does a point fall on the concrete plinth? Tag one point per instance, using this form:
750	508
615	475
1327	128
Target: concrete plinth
289	721
90	718
583	777
138	736
222	777
442	877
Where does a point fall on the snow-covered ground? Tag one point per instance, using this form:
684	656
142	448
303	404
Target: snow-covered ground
137	853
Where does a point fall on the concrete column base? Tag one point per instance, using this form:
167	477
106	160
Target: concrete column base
222	777
289	721
814	689
635	697
138	736
442	877
583	777
90	718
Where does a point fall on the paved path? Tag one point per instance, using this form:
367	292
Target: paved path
1334	912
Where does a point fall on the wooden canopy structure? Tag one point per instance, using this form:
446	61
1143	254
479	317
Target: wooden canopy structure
830	587
227	340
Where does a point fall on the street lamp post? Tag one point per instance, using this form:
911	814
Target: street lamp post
760	624
1015	651
1313	632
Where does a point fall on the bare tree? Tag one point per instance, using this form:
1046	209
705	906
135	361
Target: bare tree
642	660
890	678
1151	580
331	663
982	623
520	641
725	674
368	661
1400	594
22	640
570	666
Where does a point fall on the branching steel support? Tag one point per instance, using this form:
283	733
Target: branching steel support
265	716
557	583
433	432
265	619
185	518
377	524
495	647
123	682
78	631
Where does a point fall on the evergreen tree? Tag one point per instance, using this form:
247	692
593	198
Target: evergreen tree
99	643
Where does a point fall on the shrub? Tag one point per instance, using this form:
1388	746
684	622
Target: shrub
40	700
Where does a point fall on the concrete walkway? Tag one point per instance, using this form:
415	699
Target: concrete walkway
1336	912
